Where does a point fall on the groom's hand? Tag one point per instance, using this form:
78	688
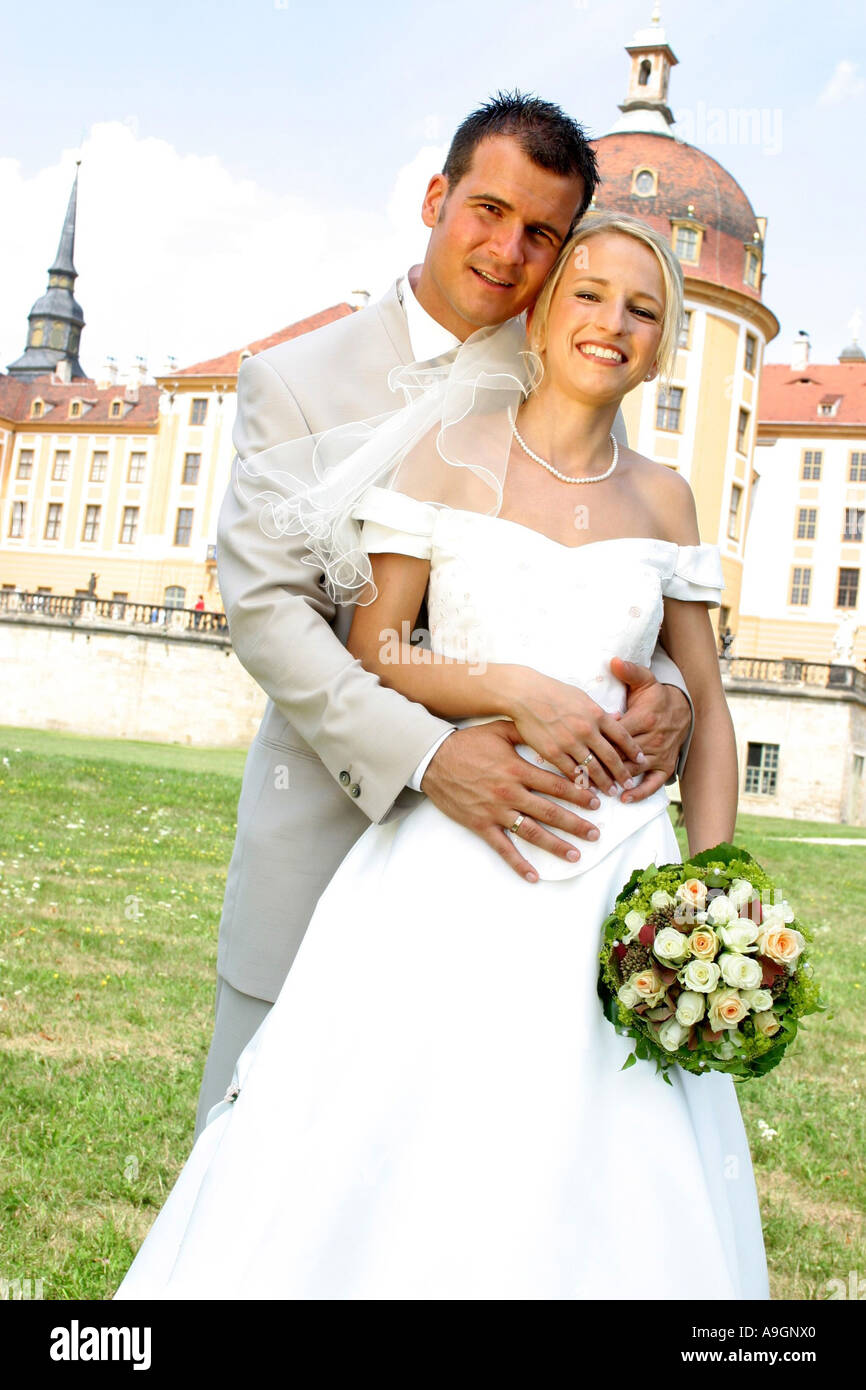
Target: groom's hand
660	717
478	779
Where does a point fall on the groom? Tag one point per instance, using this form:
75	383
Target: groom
336	750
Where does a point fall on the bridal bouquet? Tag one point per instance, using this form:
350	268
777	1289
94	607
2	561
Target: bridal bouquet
705	965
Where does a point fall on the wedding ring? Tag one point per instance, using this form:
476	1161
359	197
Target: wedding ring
587	759
517	824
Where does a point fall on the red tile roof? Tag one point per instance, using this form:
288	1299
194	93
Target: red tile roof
229	363
16	397
685	175
794	396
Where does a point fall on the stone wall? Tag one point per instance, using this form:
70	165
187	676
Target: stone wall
116	682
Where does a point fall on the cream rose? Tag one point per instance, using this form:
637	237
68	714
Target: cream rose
777	913
740	935
726	1009
633	923
721	910
661	899
767	1023
693	893
672	1034
671	945
700	975
647	986
628	995
741	972
757	999
782	944
725	1050
690	1007
703	943
740	892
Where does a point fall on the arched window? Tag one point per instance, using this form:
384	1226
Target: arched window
644	73
36	335
36	410
175	596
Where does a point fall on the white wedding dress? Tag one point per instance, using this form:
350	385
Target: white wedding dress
435	1108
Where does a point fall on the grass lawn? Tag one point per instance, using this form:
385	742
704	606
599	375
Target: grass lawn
112	864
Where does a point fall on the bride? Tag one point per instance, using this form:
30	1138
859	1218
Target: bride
435	1108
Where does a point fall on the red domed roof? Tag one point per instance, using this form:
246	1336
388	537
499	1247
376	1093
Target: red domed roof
685	175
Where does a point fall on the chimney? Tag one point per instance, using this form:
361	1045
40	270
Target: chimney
360	299
107	375
800	352
63	371
137	373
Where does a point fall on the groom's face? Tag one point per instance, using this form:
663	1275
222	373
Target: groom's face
494	236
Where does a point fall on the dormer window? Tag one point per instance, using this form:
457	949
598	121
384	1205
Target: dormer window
752	268
645	183
116	409
828	405
74	410
36	410
688	236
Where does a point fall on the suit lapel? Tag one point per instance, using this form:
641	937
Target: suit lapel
392	317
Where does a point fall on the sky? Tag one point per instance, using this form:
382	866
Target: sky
248	162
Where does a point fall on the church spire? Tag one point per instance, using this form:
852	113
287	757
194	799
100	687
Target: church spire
55	321
646	103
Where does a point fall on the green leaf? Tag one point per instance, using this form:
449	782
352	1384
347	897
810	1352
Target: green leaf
629	1061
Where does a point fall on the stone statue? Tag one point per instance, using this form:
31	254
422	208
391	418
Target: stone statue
843	641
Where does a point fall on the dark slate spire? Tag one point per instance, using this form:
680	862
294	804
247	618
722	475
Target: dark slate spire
56	319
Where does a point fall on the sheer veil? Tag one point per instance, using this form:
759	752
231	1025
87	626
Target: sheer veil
447	444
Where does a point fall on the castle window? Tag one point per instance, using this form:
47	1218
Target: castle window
742	430
17	519
807	521
734	512
74	409
53	517
686	244
846	592
686	329
116	409
752	269
198	410
57	335
60	472
762	769
25	463
136	468
751	352
811	469
91	524
857	468
668	408
99	466
644	182
644	73
852	524
175	596
191	466
129	527
183	526
36	410
801	584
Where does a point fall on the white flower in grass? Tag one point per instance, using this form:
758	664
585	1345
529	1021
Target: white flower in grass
765	1131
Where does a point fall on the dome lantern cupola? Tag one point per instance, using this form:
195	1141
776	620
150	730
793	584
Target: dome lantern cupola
646	104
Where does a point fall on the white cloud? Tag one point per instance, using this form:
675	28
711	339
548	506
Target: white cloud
843	85
177	255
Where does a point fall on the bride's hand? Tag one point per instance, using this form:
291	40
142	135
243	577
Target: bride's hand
564	726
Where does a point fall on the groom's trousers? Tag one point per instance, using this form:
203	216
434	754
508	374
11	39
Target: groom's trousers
237	1017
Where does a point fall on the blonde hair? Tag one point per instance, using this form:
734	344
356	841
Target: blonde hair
672	275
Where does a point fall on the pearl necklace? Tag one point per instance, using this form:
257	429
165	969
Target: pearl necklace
564	477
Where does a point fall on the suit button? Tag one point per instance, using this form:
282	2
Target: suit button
354	790
345	779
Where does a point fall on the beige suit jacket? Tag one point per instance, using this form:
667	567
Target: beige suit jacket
335	748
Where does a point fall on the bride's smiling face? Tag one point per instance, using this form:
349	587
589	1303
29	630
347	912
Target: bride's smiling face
605	320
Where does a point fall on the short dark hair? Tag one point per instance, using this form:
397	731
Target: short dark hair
547	136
